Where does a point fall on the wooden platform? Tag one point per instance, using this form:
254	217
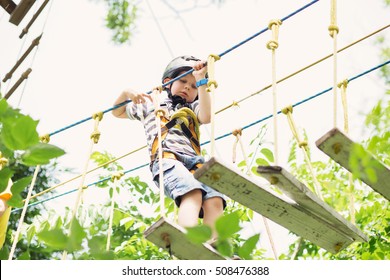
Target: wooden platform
302	212
17	11
172	237
338	146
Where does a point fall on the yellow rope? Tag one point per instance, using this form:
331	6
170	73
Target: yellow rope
273	45
114	178
343	85
303	145
95	139
303	69
183	114
22	216
211	86
333	31
159	114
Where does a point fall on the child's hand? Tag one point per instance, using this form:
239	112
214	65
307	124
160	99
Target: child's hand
137	98
200	70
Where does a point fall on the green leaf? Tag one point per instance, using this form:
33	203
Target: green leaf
225	248
227	225
20	133
41	153
261	161
20	185
199	234
77	234
5	175
268	154
246	249
54	238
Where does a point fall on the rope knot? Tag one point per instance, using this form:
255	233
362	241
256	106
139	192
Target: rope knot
237	131
98	116
160	113
158	88
116	176
45	138
274	25
272	45
95	136
343	84
215	56
287	110
333	29
302	144
210	83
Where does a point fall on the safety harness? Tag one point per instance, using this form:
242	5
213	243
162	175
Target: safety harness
187	121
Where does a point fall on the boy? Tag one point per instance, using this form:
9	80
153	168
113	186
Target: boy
181	152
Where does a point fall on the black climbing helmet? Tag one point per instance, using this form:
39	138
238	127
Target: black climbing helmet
179	64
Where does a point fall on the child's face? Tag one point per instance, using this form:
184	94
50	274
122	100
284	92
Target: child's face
185	87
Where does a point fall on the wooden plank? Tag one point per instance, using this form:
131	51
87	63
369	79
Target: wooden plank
8	5
20	11
338	146
297	191
166	234
282	210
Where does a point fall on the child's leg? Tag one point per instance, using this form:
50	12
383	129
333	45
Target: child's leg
189	208
213	209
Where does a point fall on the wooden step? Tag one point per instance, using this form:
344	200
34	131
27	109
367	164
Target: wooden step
338	146
298	213
172	237
20	11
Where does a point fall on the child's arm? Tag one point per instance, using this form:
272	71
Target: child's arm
204	115
127	94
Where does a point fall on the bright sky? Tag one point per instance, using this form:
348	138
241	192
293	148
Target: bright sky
78	71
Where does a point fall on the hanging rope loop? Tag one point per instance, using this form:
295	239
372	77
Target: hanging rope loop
274	25
45	138
95	136
287	110
116	176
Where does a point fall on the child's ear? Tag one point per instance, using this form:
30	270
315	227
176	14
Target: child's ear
166	80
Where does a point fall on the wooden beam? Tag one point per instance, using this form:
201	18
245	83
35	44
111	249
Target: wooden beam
338	146
290	214
20	11
32	20
172	237
8	5
23	77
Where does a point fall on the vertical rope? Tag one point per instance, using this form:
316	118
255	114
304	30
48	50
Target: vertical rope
238	133
303	145
211	86
273	45
343	85
159	114
333	31
114	178
95	139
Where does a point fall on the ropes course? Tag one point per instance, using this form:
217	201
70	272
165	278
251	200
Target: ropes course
221	176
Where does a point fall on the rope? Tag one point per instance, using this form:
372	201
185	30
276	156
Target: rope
186	73
22	216
114	178
211	86
333	31
343	85
273	45
238	133
235	103
303	145
95	139
159	114
303	101
89	171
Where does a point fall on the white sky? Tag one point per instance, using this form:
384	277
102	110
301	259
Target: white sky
78	71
